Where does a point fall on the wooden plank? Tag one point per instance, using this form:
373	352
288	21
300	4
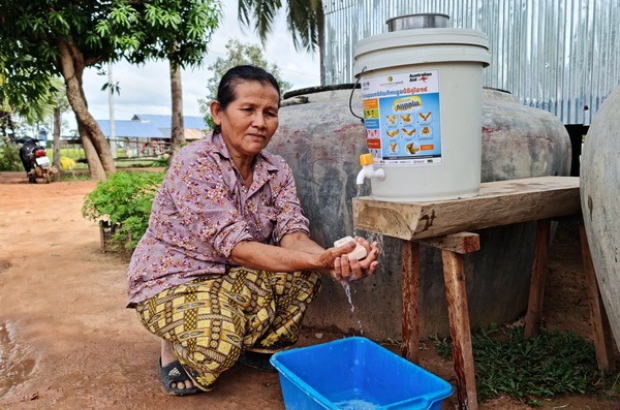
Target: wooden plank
537	282
499	203
601	330
456	296
411	301
462	242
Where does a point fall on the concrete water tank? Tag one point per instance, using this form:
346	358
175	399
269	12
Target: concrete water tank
322	141
600	189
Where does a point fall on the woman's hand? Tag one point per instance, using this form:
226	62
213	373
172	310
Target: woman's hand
333	261
347	270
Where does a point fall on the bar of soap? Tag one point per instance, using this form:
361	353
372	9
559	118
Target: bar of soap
358	253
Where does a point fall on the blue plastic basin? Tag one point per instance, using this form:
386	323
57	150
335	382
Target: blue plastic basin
355	374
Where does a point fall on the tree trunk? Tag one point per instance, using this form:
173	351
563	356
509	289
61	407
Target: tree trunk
72	66
56	145
94	165
177	133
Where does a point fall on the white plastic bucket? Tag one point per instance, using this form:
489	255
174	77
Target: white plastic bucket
422	95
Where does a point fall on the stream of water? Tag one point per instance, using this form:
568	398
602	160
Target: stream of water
347	291
371	237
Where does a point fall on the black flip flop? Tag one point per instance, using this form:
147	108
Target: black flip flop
175	373
258	361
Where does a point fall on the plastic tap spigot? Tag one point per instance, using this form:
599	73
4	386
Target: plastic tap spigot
368	170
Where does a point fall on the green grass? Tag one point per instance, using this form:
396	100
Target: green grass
73	153
136	164
75	176
121	161
544	366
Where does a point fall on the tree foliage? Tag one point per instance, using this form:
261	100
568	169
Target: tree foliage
40	39
237	53
39	113
103	31
13	107
303	18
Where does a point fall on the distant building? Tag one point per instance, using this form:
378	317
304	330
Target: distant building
157	127
195	127
149	135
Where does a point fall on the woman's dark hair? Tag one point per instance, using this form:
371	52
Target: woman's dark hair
226	89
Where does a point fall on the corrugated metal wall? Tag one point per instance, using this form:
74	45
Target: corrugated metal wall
558	55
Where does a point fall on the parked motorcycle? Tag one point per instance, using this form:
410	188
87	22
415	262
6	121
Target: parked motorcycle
35	161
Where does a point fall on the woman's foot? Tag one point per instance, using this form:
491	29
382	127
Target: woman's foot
179	387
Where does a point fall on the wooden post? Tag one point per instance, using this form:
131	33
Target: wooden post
537	283
601	331
411	301
453	247
456	296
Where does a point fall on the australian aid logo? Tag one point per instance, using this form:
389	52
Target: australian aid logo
422	83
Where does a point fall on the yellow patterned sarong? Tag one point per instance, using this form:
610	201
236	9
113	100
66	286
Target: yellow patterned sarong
211	320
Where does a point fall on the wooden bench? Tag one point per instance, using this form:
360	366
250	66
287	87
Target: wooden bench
447	225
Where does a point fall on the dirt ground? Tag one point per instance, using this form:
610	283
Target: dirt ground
67	342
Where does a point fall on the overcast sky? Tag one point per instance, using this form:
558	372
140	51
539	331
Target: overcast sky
146	89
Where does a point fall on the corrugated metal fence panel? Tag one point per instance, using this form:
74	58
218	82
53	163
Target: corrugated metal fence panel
557	55
340	39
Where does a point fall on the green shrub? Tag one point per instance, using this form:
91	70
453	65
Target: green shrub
125	199
9	156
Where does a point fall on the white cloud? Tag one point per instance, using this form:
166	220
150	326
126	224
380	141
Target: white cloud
146	89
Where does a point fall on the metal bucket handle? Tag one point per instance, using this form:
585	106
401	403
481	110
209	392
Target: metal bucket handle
352	91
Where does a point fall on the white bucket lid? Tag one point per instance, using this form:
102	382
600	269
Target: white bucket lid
406	47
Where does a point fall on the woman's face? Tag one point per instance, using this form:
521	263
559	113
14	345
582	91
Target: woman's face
250	120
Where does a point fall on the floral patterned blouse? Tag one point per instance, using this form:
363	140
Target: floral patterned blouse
203	209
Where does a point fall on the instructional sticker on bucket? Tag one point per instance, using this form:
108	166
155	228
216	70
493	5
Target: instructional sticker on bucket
401	114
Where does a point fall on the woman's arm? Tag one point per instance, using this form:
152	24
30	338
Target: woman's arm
301	242
295	254
299	252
